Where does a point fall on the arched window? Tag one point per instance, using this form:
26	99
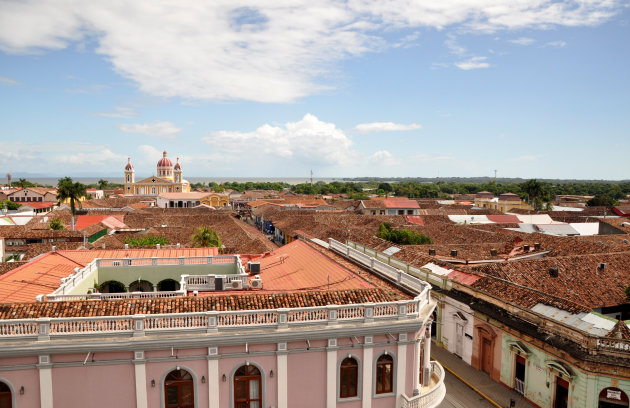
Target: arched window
348	378
612	398
247	387
179	390
112	287
6	399
384	374
168	285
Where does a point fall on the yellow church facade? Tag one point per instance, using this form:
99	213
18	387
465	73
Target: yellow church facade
168	179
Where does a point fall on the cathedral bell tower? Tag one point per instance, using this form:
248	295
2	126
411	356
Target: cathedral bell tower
130	177
177	171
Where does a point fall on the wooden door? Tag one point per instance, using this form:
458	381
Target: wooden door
486	355
562	393
459	339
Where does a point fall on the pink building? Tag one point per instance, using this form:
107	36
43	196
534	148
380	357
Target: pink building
315	325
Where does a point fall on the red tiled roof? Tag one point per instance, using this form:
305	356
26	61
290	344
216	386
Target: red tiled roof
38	205
297	266
223	302
415	219
400	203
42	275
84	221
504	219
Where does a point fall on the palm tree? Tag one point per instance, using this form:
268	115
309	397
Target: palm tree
534	190
204	237
102	184
56	224
67	190
22	182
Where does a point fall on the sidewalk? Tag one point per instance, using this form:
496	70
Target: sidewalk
494	392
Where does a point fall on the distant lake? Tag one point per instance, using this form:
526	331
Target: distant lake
52	181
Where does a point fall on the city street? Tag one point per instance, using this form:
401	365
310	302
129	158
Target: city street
459	395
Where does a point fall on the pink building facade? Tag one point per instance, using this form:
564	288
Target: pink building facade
341	355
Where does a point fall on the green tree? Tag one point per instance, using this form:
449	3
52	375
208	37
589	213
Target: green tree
401	236
534	190
628	292
102	184
148	240
601	200
9	205
67	190
204	237
56	224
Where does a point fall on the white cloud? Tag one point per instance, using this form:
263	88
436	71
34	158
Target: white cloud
523	41
385	127
383	158
273	51
47	157
163	130
557	44
8	81
473	63
308	140
120	112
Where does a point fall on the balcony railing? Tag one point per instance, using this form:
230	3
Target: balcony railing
432	397
519	386
207	322
389	272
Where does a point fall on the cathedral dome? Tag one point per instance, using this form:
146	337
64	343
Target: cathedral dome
165	161
128	167
177	166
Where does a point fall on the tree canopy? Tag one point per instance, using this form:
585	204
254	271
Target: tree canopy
204	237
401	236
67	190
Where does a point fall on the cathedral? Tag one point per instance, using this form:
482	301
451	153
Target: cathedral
169	179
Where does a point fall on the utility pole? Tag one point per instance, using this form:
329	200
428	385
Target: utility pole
311	177
495	175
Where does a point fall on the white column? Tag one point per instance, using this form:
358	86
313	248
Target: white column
213	377
141	385
368	354
282	377
427	354
416	366
331	374
45	382
401	365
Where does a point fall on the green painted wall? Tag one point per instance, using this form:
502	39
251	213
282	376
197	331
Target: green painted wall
87	283
155	274
584	388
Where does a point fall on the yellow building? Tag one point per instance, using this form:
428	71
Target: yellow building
169	179
506	202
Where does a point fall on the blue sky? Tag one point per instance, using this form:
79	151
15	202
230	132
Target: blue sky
359	88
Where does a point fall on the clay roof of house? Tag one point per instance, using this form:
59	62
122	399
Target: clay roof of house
580	279
509	197
178	225
222	302
42	275
38	205
620	331
400	203
298	266
38	190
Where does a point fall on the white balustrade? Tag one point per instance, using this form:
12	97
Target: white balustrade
431	398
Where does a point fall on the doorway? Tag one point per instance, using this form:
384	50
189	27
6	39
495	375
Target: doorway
519	375
562	393
459	339
486	355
